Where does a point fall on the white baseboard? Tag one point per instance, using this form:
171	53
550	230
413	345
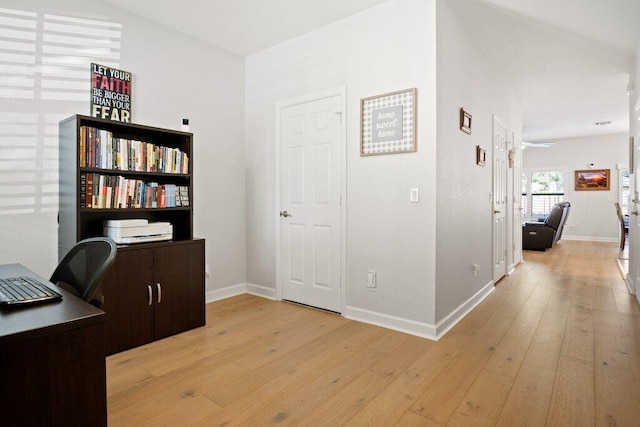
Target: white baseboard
443	326
412	327
242	288
590	238
228	292
630	285
261	291
420	329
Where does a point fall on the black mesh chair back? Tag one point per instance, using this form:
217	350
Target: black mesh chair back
81	270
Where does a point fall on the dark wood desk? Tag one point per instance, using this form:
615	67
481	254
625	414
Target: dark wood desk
52	361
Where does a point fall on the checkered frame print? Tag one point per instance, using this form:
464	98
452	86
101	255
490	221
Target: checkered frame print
383	105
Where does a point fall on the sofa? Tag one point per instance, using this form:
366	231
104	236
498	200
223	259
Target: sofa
542	235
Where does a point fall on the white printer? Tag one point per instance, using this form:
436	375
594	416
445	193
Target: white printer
127	231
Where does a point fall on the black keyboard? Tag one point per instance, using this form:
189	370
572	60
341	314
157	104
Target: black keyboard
17	291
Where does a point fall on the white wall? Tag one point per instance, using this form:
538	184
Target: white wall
383	49
386	48
174	76
592	215
464	208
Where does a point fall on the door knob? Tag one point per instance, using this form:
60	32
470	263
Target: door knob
497	212
286	214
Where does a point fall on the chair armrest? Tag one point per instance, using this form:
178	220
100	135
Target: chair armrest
534	224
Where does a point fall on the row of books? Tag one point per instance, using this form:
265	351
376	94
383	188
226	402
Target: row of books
116	192
100	149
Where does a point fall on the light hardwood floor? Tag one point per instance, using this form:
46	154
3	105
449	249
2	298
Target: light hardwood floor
557	343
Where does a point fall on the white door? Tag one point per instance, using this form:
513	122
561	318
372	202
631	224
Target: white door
633	276
310	205
499	199
517	199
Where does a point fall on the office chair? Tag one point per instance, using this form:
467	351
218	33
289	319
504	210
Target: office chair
81	270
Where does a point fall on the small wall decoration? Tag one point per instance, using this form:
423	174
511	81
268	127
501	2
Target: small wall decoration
465	121
481	156
388	123
592	180
110	93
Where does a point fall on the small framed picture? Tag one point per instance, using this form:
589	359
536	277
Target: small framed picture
592	180
481	156
465	121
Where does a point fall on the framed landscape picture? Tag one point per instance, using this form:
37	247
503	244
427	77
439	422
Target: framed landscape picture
593	180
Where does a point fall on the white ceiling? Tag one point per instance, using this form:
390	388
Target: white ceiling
569	60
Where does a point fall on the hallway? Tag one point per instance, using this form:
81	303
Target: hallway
592	329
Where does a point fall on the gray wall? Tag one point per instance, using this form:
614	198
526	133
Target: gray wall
464	209
387	48
422	277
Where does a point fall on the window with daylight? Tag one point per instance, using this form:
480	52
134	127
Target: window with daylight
44	77
541	189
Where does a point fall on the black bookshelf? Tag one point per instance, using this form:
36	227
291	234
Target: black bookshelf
76	221
154	289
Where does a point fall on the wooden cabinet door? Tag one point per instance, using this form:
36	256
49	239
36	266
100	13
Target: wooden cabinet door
129	317
179	283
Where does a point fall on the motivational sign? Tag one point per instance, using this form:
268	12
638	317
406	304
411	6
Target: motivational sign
110	93
386	124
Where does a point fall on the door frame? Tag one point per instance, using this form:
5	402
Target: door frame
338	91
496	120
633	273
516	202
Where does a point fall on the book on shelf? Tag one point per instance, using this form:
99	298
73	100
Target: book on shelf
98	148
83	190
99	191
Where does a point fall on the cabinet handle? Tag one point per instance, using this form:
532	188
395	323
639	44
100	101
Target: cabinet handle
159	292
150	294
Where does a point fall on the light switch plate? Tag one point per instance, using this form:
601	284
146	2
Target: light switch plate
414	195
371	279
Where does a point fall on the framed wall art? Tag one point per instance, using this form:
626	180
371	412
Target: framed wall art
481	156
388	123
465	121
592	180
